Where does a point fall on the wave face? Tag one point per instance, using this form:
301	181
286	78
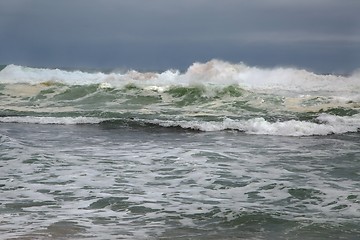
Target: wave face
211	96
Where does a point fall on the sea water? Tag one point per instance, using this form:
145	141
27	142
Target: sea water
221	151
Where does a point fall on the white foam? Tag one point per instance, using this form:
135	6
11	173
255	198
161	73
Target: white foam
174	176
12	74
288	79
212	72
329	124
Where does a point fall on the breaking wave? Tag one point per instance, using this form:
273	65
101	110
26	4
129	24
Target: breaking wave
211	96
327	124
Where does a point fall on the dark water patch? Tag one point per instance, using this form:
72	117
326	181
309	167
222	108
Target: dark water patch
305	193
143	124
344	173
352	197
20	205
325	231
141	210
114	203
65	229
253	220
258	225
44	159
245	225
4	187
32	160
254	195
340	111
342	167
340	207
269	186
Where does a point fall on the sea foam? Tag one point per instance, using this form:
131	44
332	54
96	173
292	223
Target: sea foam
212	72
328	124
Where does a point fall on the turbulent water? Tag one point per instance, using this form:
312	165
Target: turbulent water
221	151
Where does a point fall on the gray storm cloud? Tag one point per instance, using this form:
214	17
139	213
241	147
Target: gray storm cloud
318	34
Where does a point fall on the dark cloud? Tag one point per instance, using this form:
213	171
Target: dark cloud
322	35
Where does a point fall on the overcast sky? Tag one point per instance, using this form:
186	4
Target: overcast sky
320	35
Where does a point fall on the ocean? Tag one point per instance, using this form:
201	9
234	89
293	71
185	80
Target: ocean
219	151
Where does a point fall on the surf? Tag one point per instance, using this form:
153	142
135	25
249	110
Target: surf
211	96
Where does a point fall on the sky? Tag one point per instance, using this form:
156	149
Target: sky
318	35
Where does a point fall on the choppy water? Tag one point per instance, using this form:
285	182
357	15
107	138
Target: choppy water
223	151
107	182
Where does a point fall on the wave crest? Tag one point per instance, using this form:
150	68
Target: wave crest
327	124
212	72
